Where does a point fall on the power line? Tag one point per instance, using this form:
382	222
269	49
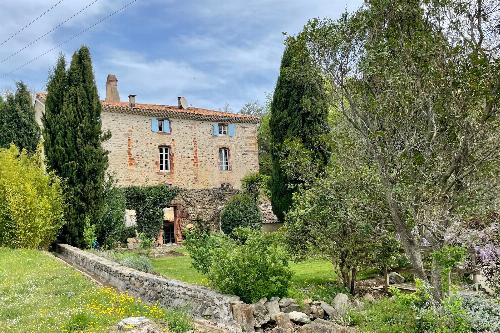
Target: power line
72	37
48	32
32	21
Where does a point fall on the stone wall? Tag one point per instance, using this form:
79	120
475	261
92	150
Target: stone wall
203	205
134	157
202	302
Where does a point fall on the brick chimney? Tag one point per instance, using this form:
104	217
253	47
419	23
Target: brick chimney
112	89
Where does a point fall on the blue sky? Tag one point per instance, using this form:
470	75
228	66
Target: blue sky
212	52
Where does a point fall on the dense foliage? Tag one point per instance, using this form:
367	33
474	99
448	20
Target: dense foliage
17	120
240	211
299	112
31	201
418	83
413	313
148	202
110	226
73	137
252	266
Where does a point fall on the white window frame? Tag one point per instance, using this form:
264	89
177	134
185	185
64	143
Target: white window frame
164	154
223	129
224	163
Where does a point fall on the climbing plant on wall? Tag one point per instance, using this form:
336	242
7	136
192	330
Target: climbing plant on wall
148	203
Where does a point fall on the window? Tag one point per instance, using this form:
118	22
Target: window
224	159
164	158
164	125
222	129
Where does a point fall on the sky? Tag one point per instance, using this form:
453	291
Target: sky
213	52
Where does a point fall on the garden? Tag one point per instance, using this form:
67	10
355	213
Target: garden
379	152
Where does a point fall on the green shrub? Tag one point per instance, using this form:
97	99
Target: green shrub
148	202
240	211
129	259
413	313
203	248
252	265
256	184
31	201
178	321
111	225
484	312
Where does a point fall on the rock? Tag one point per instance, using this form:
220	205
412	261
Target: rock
323	326
328	309
396	278
273	308
288	305
243	315
283	323
138	325
260	313
299	317
368	298
341	304
317	311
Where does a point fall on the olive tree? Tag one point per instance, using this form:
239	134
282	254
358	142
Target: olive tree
419	82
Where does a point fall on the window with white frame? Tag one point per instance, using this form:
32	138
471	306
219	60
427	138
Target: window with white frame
222	129
224	159
164	158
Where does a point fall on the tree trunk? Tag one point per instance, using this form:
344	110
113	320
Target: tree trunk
353	281
436	281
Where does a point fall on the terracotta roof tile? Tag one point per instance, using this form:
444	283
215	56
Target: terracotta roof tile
168	111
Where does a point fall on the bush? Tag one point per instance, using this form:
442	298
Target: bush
252	266
484	313
256	184
111	224
240	211
148	202
31	201
413	313
129	259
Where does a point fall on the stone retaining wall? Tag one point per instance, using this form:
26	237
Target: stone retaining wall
202	302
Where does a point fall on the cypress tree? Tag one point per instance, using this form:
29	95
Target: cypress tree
73	143
299	114
17	120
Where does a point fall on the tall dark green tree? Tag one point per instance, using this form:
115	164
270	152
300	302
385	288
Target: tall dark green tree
73	142
17	120
298	125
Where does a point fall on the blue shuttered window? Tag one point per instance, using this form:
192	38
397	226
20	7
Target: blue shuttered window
231	129
215	129
154	125
166	126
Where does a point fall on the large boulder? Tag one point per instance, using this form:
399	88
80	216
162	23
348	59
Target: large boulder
261	313
341	304
138	325
395	278
288	305
243	315
273	307
299	317
328	309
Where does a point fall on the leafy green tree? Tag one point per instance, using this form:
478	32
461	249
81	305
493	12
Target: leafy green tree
299	116
31	201
110	226
240	211
17	120
73	144
418	82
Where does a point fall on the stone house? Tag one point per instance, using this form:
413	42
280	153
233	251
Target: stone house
206	153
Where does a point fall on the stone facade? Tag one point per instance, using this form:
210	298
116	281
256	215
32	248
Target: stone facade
194	161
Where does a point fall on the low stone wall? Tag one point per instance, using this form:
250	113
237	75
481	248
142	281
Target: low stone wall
203	303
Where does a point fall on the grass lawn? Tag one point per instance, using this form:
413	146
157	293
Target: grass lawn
311	279
38	293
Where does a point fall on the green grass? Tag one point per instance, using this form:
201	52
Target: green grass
312	278
38	293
